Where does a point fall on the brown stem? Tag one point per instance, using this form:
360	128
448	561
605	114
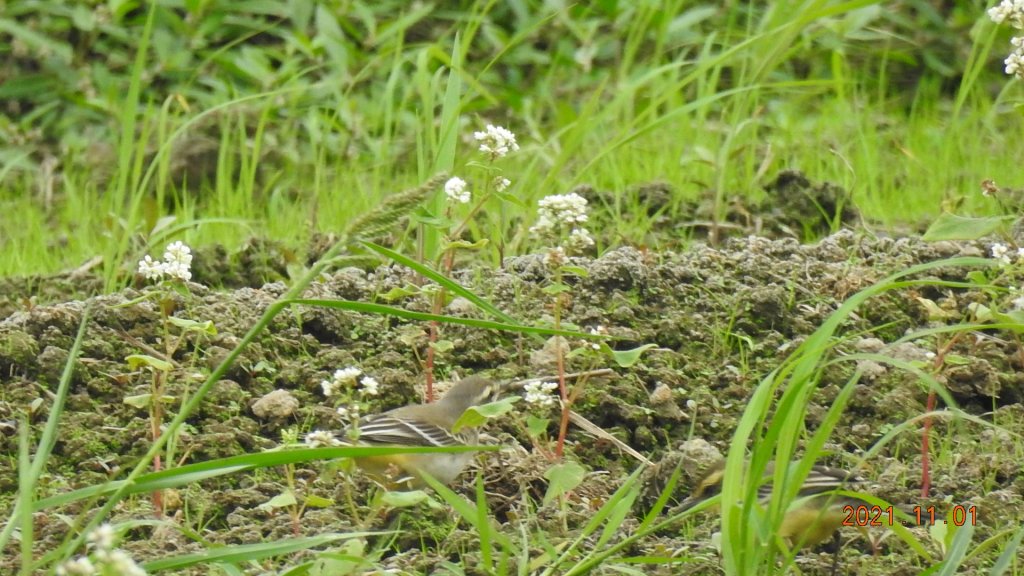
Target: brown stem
563	426
155	421
428	364
926	479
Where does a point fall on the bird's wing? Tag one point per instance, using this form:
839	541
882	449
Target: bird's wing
821	479
388	429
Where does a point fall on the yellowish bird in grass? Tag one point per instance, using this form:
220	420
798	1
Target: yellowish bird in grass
420	425
815	515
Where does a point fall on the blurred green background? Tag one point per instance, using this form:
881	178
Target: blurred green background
124	123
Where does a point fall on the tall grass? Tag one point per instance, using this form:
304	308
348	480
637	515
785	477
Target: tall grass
716	115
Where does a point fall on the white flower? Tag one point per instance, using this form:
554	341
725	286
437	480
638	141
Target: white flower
370	386
456	190
1012	10
319	438
102	537
555	257
1001	252
501	184
1015	61
80	566
579	239
178	270
348	413
496	141
1018	302
178	252
341	378
151	269
598	330
539	394
122	564
177	263
567	209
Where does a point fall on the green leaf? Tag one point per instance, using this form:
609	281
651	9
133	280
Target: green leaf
562	478
957	360
627	358
978	277
187	325
191	473
952	227
398	293
314	501
510	198
939	531
536	426
556	288
424	216
443	346
380	309
464	245
575	271
144	400
1011	317
935	312
981	312
404	499
478	415
1008	555
956	551
138	401
145	360
282	500
250	552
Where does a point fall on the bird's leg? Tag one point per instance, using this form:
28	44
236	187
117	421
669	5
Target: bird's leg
837	545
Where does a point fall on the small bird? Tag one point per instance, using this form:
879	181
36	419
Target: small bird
815	515
424	425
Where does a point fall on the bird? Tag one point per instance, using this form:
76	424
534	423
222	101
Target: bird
419	425
816	514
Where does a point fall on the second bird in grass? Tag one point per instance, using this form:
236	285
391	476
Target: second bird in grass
815	515
420	425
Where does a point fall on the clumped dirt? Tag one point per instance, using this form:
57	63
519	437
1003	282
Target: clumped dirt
721	319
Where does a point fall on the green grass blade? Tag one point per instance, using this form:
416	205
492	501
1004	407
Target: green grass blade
384	310
251	552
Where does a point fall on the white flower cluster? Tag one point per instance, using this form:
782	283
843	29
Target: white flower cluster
1005	255
1015	61
1018	302
108	560
539	394
496	141
557	209
370	386
177	263
341	379
457	190
501	184
349	413
560	212
1011	11
321	438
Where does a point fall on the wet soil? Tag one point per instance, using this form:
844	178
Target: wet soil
721	319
